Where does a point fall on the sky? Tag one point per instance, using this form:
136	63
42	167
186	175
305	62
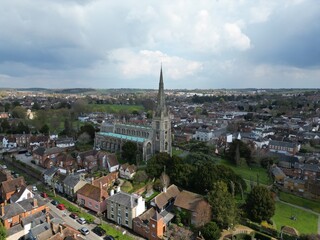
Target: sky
201	44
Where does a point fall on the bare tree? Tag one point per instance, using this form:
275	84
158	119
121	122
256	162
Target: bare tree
165	180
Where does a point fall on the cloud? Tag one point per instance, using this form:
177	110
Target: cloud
146	62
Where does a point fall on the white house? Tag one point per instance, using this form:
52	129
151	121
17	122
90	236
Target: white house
21	193
203	135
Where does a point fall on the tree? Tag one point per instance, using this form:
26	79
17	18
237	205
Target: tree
224	208
211	231
244	152
44	130
84	138
88	128
3	232
140	176
156	163
19	112
5	126
260	204
129	151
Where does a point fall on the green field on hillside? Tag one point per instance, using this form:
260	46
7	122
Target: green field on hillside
304	222
299	201
249	173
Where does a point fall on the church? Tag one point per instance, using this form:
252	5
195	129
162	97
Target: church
149	139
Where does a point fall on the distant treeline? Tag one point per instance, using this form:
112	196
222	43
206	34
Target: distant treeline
225	98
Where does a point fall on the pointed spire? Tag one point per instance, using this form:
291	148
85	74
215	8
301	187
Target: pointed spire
161	105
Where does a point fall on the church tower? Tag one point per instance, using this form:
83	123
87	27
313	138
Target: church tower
161	123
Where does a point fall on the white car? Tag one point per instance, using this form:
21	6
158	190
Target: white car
84	230
34	188
81	220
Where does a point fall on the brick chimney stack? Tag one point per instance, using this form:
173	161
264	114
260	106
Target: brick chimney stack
2	209
35	202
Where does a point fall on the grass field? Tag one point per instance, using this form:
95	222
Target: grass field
249	173
299	201
115	233
110	108
305	222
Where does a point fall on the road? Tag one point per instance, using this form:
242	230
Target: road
73	223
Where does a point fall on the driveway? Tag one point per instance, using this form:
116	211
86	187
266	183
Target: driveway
27	160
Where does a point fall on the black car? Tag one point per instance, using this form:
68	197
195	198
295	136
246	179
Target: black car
54	202
99	231
108	238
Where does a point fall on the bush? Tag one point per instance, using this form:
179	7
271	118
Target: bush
262	236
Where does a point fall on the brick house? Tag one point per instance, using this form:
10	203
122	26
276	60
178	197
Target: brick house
11	214
106	181
284	147
127	171
41	154
93	198
9	187
151	225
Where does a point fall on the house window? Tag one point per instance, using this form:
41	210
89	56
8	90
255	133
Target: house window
112	216
111	208
96	206
9	220
90	204
119	212
127	222
127	214
153	225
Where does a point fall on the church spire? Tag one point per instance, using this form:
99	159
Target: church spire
161	105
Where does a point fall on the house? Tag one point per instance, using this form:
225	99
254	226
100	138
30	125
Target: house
5	175
294	185
151	225
278	174
198	209
165	199
307	171
123	207
203	135
9	187
127	171
72	183
284	147
12	214
93	197
82	159
106	181
65	143
47	227
49	174
21	194
41	154
65	162
108	160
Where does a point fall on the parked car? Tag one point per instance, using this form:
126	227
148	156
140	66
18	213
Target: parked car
54	202
73	215
108	237
84	230
27	154
99	231
44	195
81	220
34	188
61	206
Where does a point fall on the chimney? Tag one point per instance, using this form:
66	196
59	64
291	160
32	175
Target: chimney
111	192
48	218
100	185
2	209
5	202
164	189
118	189
35	202
92	179
60	229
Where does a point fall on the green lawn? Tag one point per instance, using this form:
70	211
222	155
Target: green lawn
115	233
249	173
305	222
299	201
110	108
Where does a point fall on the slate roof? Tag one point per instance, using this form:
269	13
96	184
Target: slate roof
17	195
15	209
93	192
282	144
51	171
124	199
72	180
112	160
